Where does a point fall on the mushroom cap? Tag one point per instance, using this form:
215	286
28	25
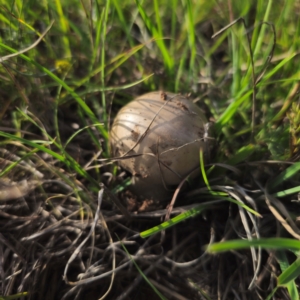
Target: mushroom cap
161	134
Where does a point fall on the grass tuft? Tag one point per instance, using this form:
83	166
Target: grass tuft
66	68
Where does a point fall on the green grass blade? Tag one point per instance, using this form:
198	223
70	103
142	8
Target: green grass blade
269	243
236	80
169	62
112	88
287	192
70	162
241	204
191	35
157	17
158	293
80	101
64	29
115	62
201	290
15	296
270	296
285	175
79	131
202	168
123	21
120	187
97	42
191	213
262	35
14	164
276	68
180	69
233	107
241	155
103	38
289	274
180	218
174	5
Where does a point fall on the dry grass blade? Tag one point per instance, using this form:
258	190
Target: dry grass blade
288	223
256	258
275	205
14	190
113	258
175	195
62	200
116	201
52	228
2	59
77	251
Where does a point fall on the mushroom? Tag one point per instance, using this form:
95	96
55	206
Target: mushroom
157	137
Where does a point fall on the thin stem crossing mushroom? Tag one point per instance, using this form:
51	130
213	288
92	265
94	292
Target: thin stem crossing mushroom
157	137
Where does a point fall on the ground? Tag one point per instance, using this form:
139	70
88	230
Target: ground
71	228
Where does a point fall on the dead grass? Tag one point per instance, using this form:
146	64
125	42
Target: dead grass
65	212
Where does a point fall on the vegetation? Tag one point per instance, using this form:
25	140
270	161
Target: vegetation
69	228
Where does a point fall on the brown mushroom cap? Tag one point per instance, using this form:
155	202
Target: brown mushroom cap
162	134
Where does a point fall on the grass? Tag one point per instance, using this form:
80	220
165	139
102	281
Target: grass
57	102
